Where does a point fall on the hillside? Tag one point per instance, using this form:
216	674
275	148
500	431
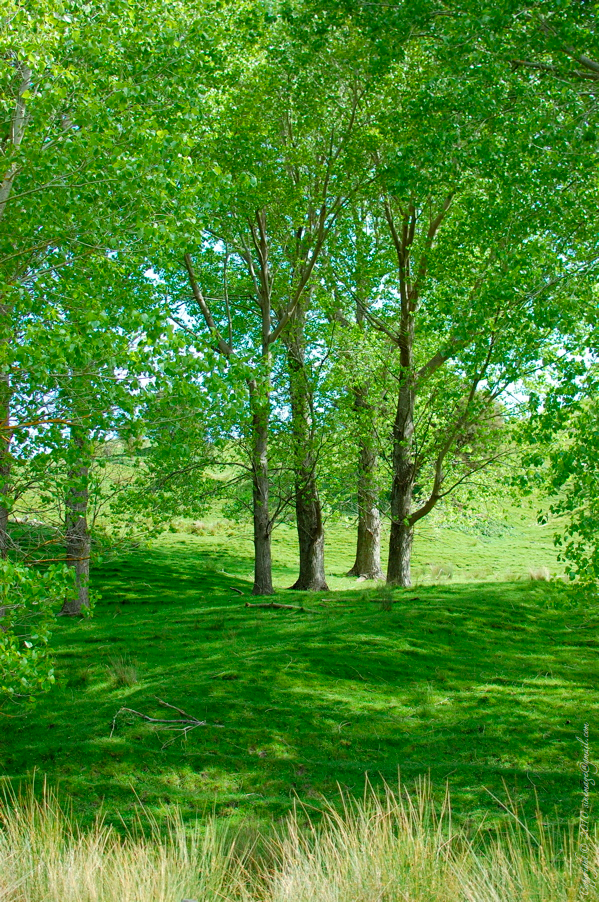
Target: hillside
484	685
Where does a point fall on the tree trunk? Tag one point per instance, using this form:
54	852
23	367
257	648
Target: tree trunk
310	533
5	431
402	488
368	550
400	555
260	493
5	462
308	511
77	534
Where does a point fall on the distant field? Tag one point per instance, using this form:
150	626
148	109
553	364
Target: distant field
506	547
483	684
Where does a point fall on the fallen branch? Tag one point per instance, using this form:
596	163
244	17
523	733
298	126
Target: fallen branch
397	600
233	589
183	724
275	606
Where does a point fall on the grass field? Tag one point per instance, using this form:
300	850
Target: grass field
484	685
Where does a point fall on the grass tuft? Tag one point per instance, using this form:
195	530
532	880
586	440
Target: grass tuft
539	574
45	857
122	672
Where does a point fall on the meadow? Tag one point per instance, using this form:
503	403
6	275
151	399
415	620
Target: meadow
478	678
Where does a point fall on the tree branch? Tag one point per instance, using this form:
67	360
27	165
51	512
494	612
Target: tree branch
225	349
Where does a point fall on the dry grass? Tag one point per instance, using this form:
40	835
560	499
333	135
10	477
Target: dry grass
398	850
43	856
388	850
540	574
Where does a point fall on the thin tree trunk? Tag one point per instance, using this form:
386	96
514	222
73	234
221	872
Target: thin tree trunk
308	510
259	389
77	534
402	489
5	430
411	279
368	548
260	493
5	462
15	136
14	139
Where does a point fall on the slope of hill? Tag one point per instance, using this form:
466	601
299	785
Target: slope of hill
482	684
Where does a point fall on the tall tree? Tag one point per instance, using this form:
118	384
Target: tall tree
288	166
468	311
356	272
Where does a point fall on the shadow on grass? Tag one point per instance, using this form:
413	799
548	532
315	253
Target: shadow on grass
476	685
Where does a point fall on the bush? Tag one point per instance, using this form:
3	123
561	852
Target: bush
28	602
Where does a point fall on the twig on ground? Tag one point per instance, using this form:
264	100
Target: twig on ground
275	606
183	725
233	589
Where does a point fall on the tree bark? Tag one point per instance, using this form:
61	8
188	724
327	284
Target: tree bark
77	534
402	488
260	493
400	555
368	547
308	510
310	532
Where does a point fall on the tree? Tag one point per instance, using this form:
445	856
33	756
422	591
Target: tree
81	148
288	166
104	321
357	268
482	255
574	479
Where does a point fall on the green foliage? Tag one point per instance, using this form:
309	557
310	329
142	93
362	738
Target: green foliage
28	602
574	474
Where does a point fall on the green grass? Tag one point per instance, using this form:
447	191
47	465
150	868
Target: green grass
480	684
503	546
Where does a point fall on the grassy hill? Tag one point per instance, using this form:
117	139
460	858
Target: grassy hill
482	684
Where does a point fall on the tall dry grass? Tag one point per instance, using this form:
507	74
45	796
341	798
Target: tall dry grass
374	850
44	857
400	850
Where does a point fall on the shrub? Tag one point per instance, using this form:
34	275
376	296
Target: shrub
28	601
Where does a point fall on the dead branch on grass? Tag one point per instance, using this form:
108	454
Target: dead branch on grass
274	605
182	725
